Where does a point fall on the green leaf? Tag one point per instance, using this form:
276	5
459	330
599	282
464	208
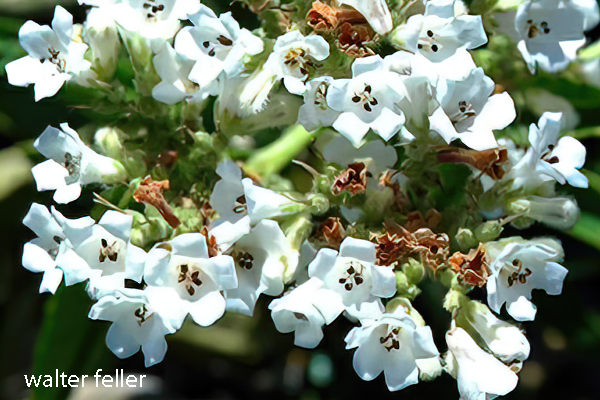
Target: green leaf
69	342
587	230
585	133
594	180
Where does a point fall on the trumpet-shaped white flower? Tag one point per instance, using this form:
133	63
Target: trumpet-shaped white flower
184	265
368	101
519	269
215	44
140	318
240	203
439	33
71	164
47	252
376	12
298	311
106	248
174	71
55	55
505	340
480	375
351	274
470	112
391	344
315	112
292	58
551	31
260	257
152	19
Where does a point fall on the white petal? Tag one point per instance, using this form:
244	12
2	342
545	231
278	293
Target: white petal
522	309
191	245
322	264
67	194
120	341
360	249
51	280
351	127
208	309
49	175
36	259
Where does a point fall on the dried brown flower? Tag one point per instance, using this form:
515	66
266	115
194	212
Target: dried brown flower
471	268
322	17
332	232
489	162
416	220
150	192
352	38
352	180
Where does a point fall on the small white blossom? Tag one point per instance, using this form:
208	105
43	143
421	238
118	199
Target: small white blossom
55	55
71	164
351	274
376	155
106	249
315	112
519	269
470	111
552	30
376	12
216	45
480	375
292	58
260	257
184	265
174	71
140	318
368	101
439	33
298	312
391	344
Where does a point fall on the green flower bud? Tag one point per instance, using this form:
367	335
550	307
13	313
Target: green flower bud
319	204
466	239
489	230
414	271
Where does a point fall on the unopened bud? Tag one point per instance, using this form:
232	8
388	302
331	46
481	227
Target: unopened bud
557	212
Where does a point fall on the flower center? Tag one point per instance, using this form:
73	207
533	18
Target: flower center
111	252
73	165
536	30
428	42
240	205
366	98
465	111
190	280
245	261
298	60
519	275
353	276
142	314
153	9
320	96
211	48
59	62
391	342
547	156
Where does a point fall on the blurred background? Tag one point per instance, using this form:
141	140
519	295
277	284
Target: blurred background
246	357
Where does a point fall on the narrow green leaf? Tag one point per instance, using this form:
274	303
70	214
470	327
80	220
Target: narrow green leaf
587	229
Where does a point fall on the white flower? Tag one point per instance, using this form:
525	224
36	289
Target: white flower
519	269
505	340
106	248
351	274
391	344
376	12
557	158
140	318
480	376
457	67
184	264
174	71
150	18
101	33
557	212
240	203
55	56
368	101
292	58
298	312
438	34
260	257
470	112
552	30
71	164
315	112
46	252
216	45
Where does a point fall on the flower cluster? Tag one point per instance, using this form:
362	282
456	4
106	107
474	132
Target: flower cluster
396	138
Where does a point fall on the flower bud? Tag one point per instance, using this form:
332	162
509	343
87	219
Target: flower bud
108	140
414	271
466	239
319	204
101	35
489	230
558	212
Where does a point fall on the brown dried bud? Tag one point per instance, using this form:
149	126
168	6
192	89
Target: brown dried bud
150	192
332	232
352	180
489	162
471	268
352	38
416	220
211	243
322	17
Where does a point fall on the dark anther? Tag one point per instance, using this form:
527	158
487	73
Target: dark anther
225	41
195	278
368	89
206	44
430	33
57	239
358	279
191	290
212	52
367	107
348	286
434	48
356	99
553	160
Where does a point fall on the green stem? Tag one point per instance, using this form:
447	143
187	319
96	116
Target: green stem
273	158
